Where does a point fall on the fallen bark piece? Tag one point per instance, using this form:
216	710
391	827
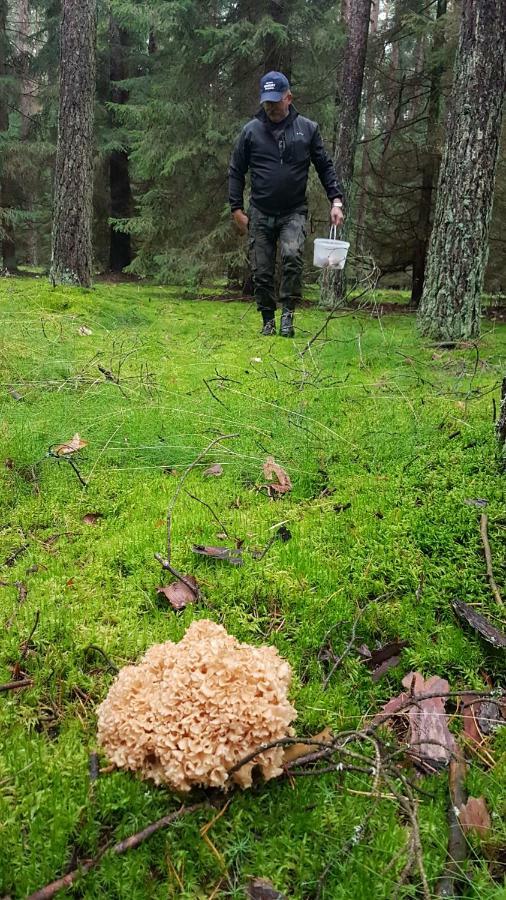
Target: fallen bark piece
272	470
233	556
431	744
180	593
490	716
474	817
429	737
480	624
262	889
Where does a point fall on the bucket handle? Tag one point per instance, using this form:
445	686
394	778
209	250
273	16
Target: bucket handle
333	233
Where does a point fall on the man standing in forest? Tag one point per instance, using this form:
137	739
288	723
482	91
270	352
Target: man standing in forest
277	147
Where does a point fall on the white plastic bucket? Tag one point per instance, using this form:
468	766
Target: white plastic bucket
329	252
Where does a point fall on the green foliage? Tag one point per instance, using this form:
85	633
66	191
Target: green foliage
400	432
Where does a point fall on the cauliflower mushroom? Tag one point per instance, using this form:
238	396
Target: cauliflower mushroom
189	711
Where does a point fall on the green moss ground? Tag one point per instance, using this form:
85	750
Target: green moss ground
400	432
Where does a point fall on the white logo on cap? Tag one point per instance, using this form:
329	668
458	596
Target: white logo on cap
269	86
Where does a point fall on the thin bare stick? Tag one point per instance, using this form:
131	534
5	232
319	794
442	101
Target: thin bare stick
457	844
165	564
26	644
223	437
345	652
14	685
211	510
129	843
488	559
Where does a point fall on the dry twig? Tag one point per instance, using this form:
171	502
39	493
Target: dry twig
488	559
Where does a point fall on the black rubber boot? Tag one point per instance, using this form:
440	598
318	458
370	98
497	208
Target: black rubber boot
286	328
269	328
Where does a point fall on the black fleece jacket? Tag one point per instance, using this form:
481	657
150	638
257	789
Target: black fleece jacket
279	168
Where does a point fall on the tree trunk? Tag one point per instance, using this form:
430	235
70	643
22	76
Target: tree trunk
72	255
351	80
368	130
350	93
120	254
429	165
278	55
6	186
451	300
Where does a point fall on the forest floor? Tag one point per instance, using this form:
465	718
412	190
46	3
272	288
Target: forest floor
389	445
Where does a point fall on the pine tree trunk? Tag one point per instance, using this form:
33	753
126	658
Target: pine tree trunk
72	255
120	254
350	93
368	130
429	168
27	107
451	302
278	56
8	246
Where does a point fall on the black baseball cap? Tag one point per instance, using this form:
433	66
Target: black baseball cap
273	87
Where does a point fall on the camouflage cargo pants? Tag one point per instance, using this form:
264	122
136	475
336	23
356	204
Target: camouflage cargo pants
264	234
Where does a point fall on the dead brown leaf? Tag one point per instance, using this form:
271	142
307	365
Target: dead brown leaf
179	594
384	658
272	470
92	518
297	751
215	471
234	557
71	446
474	817
262	889
470	707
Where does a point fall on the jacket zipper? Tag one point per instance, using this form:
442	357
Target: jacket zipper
281	147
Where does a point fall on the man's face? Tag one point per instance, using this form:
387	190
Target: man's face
278	111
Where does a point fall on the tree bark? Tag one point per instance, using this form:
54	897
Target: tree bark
349	93
72	255
451	301
368	130
278	55
6	186
429	165
120	253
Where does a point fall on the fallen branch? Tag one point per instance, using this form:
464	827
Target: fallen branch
488	559
14	685
447	885
129	843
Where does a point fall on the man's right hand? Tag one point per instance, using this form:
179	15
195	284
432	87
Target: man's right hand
241	220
